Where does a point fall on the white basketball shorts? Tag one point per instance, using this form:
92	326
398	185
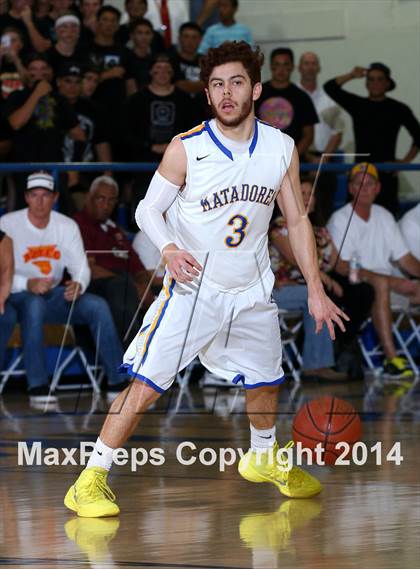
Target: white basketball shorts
236	336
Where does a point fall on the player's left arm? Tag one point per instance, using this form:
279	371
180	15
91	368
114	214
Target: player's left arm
302	242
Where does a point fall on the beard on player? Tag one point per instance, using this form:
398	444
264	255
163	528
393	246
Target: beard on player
245	109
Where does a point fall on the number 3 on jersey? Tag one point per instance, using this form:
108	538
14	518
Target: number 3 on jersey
239	223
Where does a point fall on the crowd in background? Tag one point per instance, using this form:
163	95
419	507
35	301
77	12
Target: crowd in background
77	85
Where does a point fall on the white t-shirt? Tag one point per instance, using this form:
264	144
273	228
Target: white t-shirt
410	228
45	253
330	117
179	13
376	242
148	253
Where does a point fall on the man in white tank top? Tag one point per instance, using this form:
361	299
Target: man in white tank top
218	184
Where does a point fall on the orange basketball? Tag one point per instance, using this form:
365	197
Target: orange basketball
328	421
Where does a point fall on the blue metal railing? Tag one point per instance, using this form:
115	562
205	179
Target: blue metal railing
341	168
10	167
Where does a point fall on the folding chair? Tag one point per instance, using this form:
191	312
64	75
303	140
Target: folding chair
409	337
372	350
64	337
290	325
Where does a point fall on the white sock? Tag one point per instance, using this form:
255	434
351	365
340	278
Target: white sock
101	456
262	439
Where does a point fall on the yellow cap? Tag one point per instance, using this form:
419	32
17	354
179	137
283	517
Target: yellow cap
365	167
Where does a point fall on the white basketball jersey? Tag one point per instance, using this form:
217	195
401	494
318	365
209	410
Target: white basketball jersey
222	215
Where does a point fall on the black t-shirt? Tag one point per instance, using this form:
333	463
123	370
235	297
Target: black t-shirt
87	37
10	82
138	68
58	60
46	27
185	68
288	109
2	234
154	119
94	126
41	138
375	123
110	92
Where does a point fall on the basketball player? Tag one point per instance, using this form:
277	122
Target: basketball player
218	184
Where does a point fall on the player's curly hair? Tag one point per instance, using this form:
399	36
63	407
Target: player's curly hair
230	51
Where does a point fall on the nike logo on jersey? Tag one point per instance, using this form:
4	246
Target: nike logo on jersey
198	158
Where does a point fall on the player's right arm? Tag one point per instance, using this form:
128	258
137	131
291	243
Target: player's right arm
161	194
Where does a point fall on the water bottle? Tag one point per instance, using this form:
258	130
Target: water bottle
354	276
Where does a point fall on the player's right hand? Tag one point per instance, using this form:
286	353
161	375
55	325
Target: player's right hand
181	265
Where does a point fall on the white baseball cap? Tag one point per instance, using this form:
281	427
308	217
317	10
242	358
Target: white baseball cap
41	180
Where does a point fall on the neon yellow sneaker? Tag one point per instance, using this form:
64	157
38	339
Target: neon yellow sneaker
90	496
397	368
92	536
273	531
295	483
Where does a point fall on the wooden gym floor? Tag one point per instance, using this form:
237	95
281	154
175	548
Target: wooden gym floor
196	517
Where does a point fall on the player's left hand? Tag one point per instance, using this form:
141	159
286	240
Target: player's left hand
322	309
72	290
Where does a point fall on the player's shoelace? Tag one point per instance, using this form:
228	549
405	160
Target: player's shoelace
96	489
278	468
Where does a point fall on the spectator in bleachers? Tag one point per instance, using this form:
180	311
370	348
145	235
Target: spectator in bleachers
19	16
41	8
328	131
410	228
153	117
140	57
45	243
7	314
90	80
136	9
285	106
291	293
228	29
40	118
377	120
117	274
110	57
367	234
185	59
13	75
89	11
204	12
66	49
58	8
167	16
96	146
